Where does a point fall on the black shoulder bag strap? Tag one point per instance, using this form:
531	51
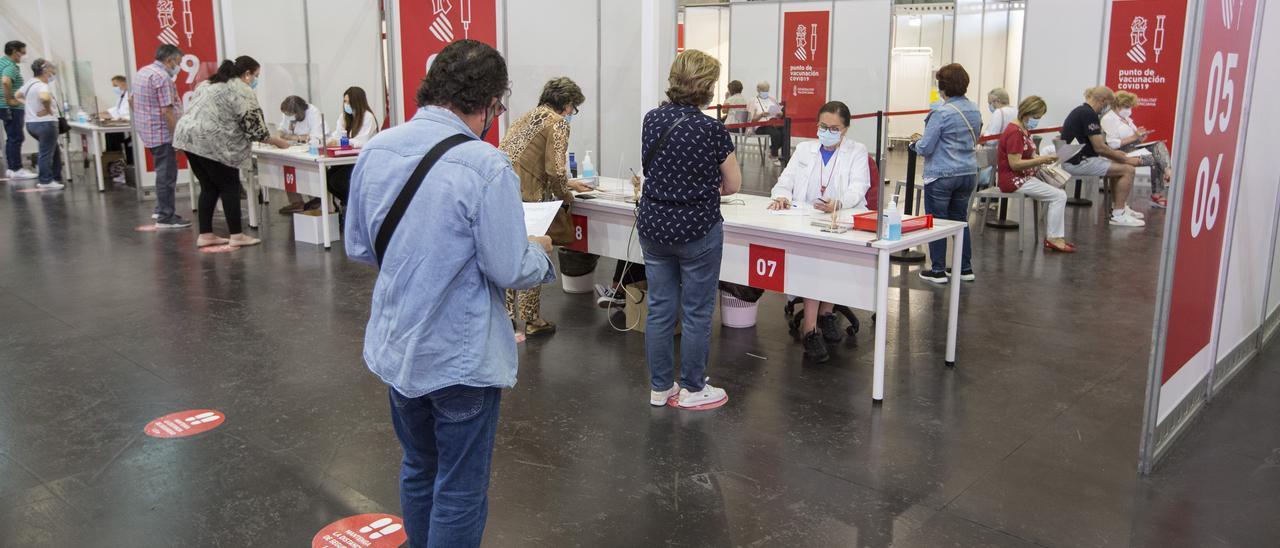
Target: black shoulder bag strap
410	189
653	150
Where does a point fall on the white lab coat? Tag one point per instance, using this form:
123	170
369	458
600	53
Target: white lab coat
801	180
310	124
359	138
121	110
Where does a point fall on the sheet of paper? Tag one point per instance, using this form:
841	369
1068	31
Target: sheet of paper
796	210
538	216
1068	151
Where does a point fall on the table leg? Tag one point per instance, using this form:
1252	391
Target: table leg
324	208
953	311
253	203
96	150
882	324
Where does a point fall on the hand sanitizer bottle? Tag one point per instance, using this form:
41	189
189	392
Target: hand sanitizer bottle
344	141
588	170
893	221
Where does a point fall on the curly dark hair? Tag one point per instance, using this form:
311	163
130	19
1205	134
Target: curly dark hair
953	80
560	93
466	75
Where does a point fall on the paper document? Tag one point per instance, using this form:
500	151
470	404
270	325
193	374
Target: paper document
538	216
795	210
1068	151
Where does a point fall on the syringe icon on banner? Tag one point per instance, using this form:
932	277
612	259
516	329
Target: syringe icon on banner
1158	43
187	25
466	18
813	42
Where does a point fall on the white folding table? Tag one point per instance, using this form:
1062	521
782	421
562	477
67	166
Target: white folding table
783	253
95	134
294	170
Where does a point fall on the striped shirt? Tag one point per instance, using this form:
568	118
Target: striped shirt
10	69
153	89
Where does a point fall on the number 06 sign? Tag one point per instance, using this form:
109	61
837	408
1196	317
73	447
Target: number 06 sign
1222	77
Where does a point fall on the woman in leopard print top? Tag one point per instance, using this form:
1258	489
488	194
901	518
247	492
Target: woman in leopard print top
538	146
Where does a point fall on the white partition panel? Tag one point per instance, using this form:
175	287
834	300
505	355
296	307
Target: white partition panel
44	27
753	45
536	53
619	98
859	73
98	47
705	30
346	50
1062	49
967	48
1013	49
274	34
995	41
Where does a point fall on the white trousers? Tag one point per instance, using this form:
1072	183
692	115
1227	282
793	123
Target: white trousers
1056	199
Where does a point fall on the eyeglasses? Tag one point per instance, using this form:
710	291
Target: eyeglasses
825	127
575	111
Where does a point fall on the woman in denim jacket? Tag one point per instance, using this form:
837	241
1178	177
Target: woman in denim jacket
950	166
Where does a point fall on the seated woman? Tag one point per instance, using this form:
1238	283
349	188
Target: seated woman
359	124
1016	158
1124	135
828	175
300	125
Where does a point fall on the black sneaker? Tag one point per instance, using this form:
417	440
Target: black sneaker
814	349
830	331
173	222
966	275
934	277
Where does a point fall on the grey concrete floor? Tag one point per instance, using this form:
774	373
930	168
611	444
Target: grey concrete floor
1030	441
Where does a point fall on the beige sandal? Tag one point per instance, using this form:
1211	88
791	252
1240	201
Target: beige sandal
211	242
246	241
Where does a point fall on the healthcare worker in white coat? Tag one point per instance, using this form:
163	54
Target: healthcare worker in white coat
830	175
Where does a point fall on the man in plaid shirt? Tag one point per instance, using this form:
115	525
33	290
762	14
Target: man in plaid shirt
155	107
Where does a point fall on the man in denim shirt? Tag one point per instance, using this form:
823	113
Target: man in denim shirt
438	332
950	166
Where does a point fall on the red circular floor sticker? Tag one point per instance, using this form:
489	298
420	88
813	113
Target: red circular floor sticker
184	423
28	190
364	530
146	228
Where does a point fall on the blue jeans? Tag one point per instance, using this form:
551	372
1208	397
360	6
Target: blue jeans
13	125
683	277
447	438
948	198
166	180
50	162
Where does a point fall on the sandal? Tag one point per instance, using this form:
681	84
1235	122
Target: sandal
211	242
539	327
292	208
1066	247
245	241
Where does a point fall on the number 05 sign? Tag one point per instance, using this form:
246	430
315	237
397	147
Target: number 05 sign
1210	173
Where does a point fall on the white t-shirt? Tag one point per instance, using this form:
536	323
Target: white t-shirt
1117	128
999	120
358	139
756	105
31	92
309	125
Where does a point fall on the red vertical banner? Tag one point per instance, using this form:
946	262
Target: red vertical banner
188	24
804	66
425	28
1144	57
1211	173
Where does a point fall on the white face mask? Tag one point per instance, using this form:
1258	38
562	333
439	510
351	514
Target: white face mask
1125	113
828	137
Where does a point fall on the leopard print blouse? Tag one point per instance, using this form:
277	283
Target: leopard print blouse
538	146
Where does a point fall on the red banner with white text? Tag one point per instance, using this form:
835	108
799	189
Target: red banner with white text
1144	57
1211	175
188	24
804	66
427	27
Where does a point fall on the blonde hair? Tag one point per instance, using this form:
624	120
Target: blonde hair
693	77
999	96
1101	93
1032	107
1126	99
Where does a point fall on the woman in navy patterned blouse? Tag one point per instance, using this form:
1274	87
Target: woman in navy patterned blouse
679	222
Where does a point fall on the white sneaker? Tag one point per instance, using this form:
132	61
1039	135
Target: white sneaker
659	398
1125	220
1134	214
155	215
707	396
51	186
23	174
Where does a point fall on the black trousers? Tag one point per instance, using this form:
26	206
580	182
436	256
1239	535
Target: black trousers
634	272
217	180
117	141
340	182
775	137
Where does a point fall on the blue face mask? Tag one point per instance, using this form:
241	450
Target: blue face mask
347	109
991	108
568	119
828	137
119	92
764	95
254	83
1033	123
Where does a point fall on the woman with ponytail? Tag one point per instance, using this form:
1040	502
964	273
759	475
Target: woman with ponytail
217	131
